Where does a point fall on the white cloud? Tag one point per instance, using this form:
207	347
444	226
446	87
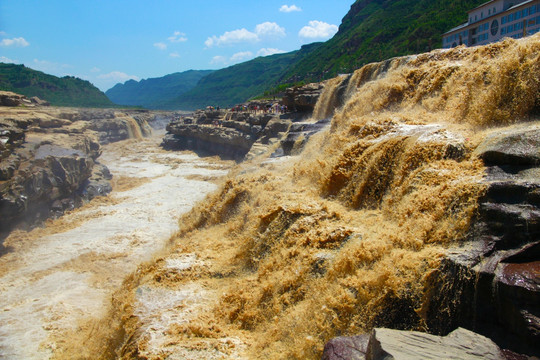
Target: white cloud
269	29
264	30
318	30
160	46
236	58
8	60
174	55
218	60
269	51
118	76
288	9
95	69
50	67
17	42
177	37
232	37
241	56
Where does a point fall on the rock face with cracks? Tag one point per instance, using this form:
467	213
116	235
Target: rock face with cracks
491	284
49	158
228	134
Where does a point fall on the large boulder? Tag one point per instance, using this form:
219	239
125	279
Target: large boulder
346	347
304	98
8	98
515	146
213	140
230	135
386	344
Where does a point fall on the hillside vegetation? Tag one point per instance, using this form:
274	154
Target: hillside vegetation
65	91
154	93
240	82
374	30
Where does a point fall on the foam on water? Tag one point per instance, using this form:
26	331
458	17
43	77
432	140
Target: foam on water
57	277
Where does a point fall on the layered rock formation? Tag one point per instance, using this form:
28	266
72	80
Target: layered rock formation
384	344
304	98
8	98
491	284
228	134
49	158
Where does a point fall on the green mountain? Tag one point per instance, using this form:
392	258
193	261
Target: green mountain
154	93
372	30
65	91
375	30
240	82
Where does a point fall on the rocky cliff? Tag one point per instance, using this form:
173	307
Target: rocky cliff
49	157
244	132
491	283
229	134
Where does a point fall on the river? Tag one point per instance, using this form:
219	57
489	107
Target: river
59	277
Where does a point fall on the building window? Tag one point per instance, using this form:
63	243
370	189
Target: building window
494	27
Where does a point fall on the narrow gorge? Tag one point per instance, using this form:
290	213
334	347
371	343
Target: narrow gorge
404	196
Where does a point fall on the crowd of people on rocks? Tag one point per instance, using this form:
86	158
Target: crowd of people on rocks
261	109
275	108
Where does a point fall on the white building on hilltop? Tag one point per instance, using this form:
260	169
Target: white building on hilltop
495	20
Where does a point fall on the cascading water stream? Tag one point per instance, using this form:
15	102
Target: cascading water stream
346	237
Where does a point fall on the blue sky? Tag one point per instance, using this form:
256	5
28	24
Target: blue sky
111	41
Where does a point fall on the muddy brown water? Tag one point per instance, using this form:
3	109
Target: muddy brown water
64	273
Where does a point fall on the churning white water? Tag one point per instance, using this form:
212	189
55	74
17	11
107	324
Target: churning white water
56	277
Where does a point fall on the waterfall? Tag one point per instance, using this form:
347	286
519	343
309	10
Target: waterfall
329	99
133	128
345	238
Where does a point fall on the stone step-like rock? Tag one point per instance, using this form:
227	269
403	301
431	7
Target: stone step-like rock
387	344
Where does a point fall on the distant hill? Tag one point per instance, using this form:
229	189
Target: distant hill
153	93
372	30
240	82
375	30
65	91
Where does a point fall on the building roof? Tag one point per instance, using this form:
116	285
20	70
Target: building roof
462	26
520	4
479	6
457	28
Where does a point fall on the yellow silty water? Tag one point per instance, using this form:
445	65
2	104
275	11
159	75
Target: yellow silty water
342	238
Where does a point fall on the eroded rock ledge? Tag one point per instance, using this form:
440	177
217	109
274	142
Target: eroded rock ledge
395	344
232	135
490	284
49	157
